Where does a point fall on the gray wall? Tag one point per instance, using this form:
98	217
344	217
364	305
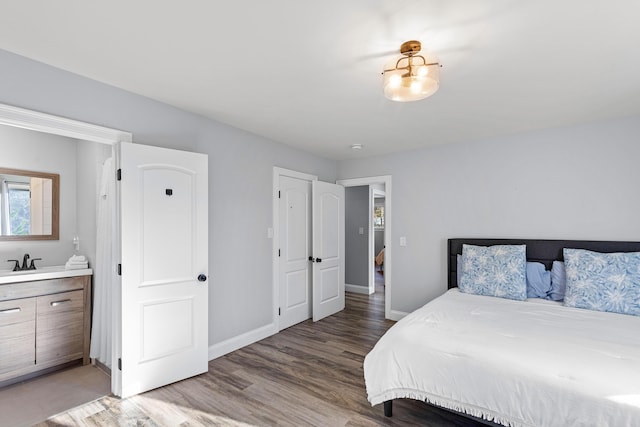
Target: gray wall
40	152
90	157
240	211
356	245
240	176
577	182
78	164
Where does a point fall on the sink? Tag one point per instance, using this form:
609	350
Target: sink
42	273
14	273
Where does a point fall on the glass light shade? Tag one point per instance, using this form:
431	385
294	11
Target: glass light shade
421	82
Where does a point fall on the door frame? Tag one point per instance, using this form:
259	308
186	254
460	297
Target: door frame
82	131
48	123
372	233
386	180
275	234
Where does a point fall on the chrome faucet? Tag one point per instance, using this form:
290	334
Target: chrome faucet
25	263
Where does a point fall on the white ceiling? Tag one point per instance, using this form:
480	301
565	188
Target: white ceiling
307	73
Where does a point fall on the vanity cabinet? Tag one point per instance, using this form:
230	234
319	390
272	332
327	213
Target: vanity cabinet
17	337
59	327
43	324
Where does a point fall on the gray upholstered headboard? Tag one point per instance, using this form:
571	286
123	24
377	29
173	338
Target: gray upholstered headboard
544	251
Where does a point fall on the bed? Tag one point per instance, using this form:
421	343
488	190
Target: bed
514	363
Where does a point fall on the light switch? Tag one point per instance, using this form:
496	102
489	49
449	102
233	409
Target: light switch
403	241
361	230
270	233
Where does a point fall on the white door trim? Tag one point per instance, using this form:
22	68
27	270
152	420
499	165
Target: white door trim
372	236
42	122
386	180
371	255
277	173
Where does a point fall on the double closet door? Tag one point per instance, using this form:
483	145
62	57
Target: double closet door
311	250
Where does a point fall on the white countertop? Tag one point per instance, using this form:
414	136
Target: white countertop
42	273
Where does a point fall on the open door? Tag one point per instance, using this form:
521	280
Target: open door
328	249
294	269
163	299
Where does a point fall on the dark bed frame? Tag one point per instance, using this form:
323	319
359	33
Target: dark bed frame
544	251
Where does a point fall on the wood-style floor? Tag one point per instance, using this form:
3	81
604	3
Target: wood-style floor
307	375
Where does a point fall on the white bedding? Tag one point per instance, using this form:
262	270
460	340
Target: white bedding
531	363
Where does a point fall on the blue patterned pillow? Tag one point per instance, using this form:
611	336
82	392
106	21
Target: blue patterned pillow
498	271
603	282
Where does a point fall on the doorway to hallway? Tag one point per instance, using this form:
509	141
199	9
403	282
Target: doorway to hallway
360	231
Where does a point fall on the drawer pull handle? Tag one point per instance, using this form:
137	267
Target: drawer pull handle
11	310
56	303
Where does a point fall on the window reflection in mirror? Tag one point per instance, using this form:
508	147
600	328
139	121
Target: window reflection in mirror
29	204
378	215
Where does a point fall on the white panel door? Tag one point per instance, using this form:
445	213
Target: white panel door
328	249
295	249
164	295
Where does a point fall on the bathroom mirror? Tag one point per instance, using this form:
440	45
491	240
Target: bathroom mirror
29	205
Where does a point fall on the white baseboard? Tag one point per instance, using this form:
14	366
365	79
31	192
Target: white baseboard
357	289
235	343
397	315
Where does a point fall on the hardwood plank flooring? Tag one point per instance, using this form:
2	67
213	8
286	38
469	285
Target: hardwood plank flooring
307	375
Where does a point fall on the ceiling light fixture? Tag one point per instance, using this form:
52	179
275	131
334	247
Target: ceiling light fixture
412	78
356	146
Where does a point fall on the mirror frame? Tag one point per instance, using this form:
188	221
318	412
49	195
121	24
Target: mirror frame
55	202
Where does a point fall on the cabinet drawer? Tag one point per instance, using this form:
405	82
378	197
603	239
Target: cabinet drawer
59	331
17	334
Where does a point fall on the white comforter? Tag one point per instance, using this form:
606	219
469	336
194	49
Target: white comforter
533	363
